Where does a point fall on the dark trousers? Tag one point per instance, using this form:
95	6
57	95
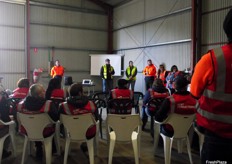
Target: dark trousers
216	149
149	81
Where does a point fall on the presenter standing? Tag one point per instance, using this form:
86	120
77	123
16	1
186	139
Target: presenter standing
150	73
107	72
131	73
57	71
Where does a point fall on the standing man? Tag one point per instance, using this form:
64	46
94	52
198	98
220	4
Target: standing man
57	71
211	84
131	73
149	72
107	72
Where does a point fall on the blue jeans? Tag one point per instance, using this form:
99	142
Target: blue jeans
132	84
107	85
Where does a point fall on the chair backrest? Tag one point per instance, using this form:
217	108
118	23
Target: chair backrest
101	95
137	97
123	125
100	103
76	126
155	103
35	124
120	106
180	123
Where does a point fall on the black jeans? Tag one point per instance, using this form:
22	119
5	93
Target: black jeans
149	81
216	149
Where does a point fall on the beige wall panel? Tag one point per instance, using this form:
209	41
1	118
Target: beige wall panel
208	5
212	27
68	18
11	14
10	80
69	38
129	14
74	3
176	27
158	8
12	38
12	61
129	37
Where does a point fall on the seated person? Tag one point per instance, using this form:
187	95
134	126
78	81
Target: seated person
77	103
121	91
4	116
180	102
157	91
54	90
36	103
171	78
22	89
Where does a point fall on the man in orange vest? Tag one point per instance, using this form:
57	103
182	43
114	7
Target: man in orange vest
57	71
211	84
150	73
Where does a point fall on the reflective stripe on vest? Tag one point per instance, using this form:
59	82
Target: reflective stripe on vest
219	93
105	71
131	73
154	94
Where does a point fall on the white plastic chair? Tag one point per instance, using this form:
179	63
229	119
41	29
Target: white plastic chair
76	127
11	133
34	125
201	137
181	125
124	128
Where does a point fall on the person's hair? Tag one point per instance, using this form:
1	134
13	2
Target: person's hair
157	83
23	83
54	83
75	89
122	83
174	66
161	65
227	26
130	62
149	60
35	90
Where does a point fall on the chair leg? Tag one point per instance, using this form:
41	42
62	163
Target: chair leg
48	149
57	137
12	138
201	141
111	150
96	140
156	136
24	149
167	148
1	146
90	145
189	150
136	150
66	151
100	122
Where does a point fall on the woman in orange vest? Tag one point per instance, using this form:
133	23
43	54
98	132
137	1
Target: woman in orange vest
162	74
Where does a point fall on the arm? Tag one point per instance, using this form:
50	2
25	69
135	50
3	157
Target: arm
146	98
127	73
52	72
145	71
101	72
112	72
163	111
203	75
135	72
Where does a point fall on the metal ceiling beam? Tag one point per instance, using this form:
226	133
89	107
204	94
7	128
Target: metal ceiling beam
109	11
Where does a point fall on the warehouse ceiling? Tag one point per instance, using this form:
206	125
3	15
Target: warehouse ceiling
115	3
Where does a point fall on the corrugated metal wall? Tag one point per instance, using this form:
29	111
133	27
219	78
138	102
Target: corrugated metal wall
75	28
12	42
213	14
159	30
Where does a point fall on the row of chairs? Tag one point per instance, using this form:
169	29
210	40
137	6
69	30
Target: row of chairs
35	124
